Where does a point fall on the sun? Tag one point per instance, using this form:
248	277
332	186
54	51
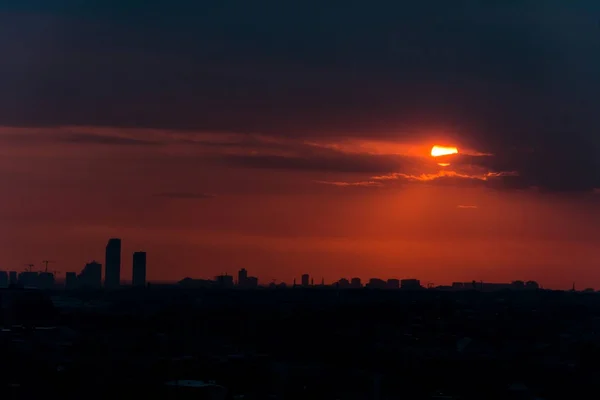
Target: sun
437	151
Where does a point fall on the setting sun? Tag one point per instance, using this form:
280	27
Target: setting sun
437	151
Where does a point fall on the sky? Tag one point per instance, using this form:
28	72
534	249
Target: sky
293	137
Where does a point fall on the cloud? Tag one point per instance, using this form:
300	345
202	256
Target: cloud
351	184
333	162
503	79
185	195
86	138
371	160
47	136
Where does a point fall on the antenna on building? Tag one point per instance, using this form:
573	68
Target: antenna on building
46	262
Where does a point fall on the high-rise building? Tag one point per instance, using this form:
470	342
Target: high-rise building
91	276
139	269
3	279
13	278
305	280
242	277
112	273
71	281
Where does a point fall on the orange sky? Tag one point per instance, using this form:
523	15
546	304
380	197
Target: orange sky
65	192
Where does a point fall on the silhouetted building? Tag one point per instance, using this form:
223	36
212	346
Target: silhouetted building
393	284
45	280
252	282
376	283
343	283
12	278
518	285
71	281
305	280
485	286
242	276
355	283
28	279
139	269
410	284
196	283
224	281
91	276
492	287
112	277
532	285
3	279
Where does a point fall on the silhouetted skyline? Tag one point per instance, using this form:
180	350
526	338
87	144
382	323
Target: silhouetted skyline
304	146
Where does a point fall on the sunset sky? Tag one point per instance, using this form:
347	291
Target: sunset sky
296	137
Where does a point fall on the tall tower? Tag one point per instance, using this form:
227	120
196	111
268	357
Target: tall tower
242	277
139	269
112	276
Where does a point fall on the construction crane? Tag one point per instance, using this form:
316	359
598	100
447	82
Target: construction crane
46	262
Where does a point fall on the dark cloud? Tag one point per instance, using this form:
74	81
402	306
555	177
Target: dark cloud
58	136
85	138
338	162
185	195
504	77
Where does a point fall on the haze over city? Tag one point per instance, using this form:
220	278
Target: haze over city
300	139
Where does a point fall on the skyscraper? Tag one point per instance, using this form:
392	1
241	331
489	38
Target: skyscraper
112	277
242	277
139	269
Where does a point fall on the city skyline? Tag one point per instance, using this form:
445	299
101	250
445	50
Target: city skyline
92	277
404	139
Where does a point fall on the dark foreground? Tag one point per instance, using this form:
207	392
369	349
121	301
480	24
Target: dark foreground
299	344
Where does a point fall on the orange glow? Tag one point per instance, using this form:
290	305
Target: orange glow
437	151
444	164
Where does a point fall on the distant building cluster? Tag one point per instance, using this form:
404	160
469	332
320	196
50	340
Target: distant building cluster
490	286
224	281
90	277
